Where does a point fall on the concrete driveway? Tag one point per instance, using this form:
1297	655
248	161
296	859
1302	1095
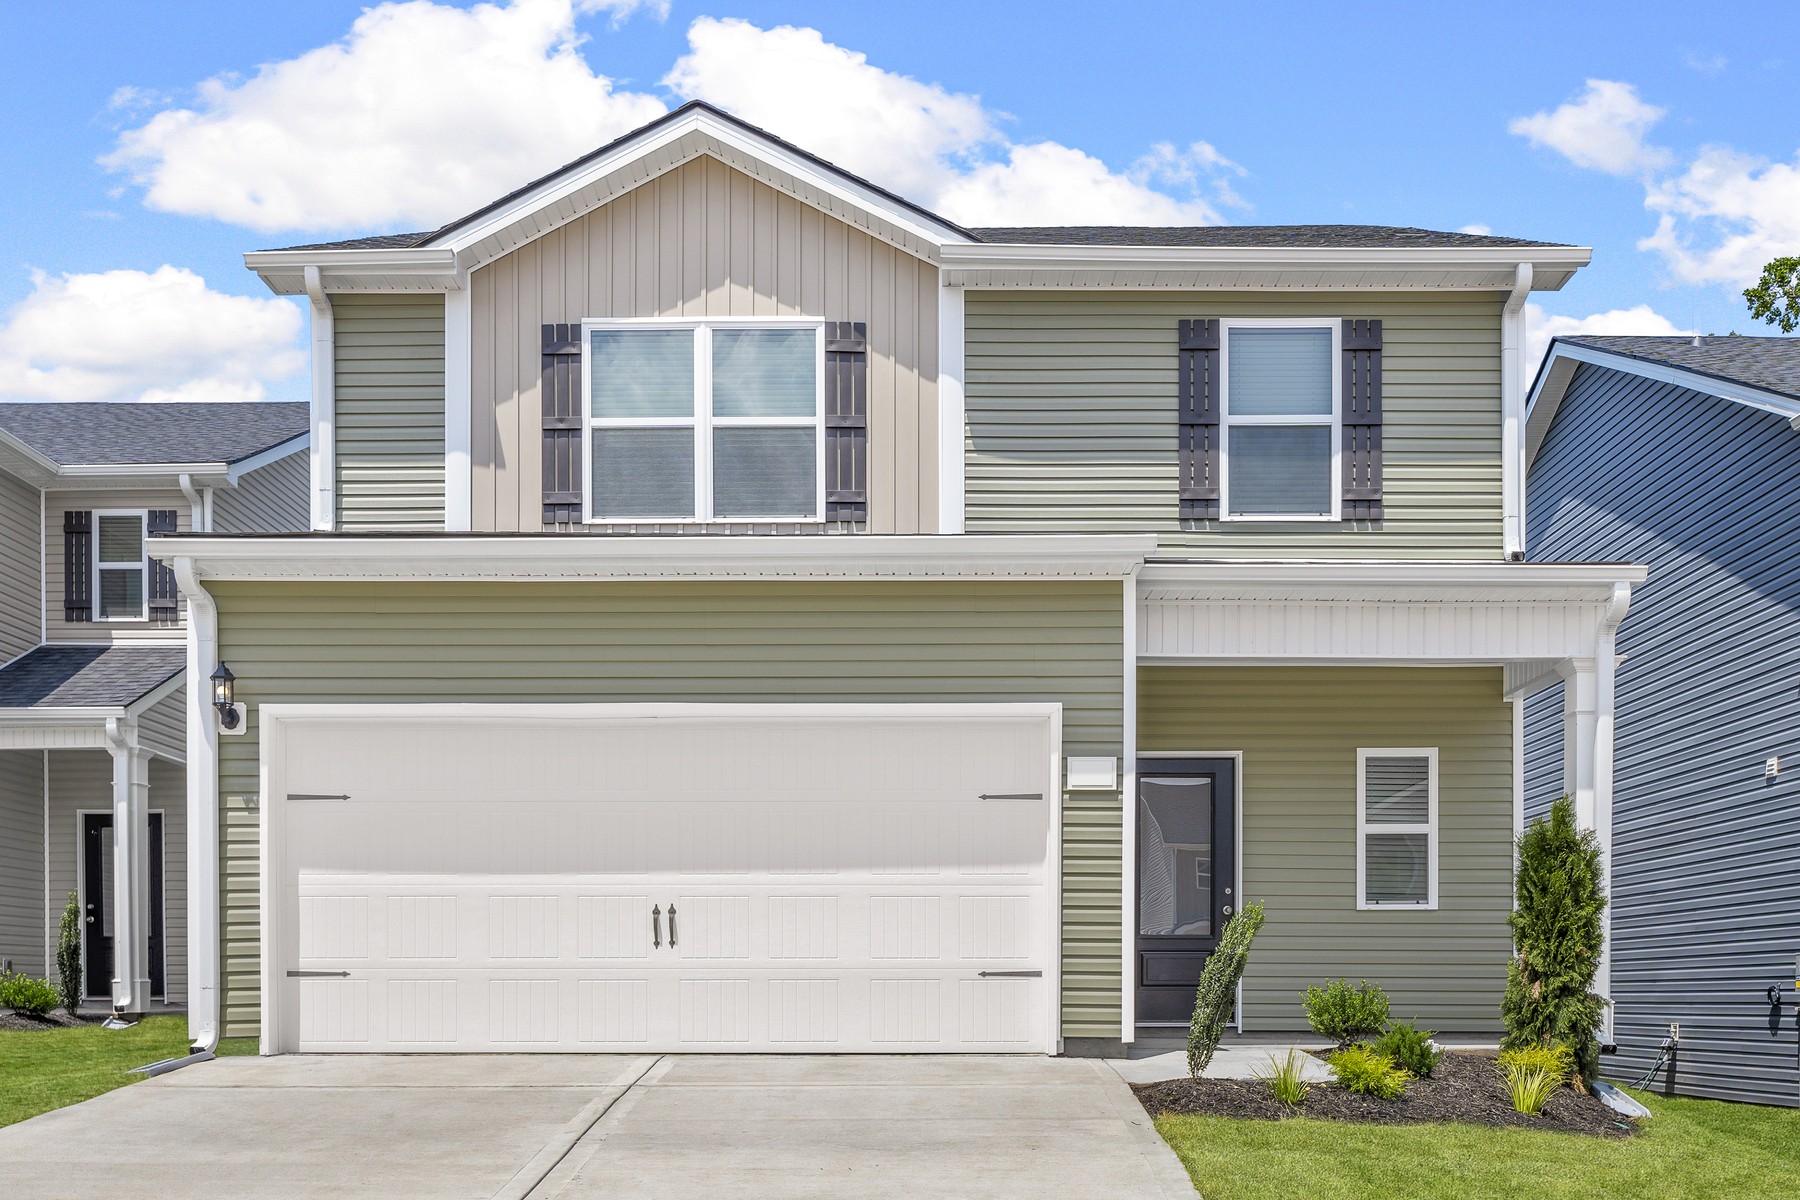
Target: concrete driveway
543	1126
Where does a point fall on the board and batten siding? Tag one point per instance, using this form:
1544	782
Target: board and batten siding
1299	729
271	499
1071	420
389	411
899	642
705	240
20	586
93	500
22	859
1706	850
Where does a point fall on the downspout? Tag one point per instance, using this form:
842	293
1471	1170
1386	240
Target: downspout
203	812
1512	410
324	406
197	514
1606	665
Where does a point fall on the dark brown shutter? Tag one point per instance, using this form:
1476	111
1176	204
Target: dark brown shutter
164	598
78	566
1362	420
846	421
561	387
1198	415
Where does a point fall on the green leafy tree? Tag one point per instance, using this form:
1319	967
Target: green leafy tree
1216	997
68	955
1557	936
1776	296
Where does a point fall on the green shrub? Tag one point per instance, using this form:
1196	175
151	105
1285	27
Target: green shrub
1548	1057
1216	996
1286	1077
1531	1088
1360	1069
1346	1014
1410	1047
1557	938
25	995
68	955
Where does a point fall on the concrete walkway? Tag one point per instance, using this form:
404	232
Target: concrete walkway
1246	1061
541	1126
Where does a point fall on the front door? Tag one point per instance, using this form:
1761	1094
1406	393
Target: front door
1187	878
97	903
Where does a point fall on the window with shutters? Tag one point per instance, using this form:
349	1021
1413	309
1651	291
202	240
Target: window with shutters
1280	414
715	420
121	566
1396	828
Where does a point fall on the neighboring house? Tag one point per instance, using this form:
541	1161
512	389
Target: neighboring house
1682	453
93	718
748	611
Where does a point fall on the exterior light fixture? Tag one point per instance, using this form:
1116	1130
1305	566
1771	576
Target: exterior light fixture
222	687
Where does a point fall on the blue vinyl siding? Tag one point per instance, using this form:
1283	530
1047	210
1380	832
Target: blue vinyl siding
1706	852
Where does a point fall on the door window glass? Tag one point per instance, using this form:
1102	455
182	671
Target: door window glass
1175	856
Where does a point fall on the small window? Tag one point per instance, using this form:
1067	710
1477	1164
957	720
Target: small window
707	421
119	566
1280	413
1396	828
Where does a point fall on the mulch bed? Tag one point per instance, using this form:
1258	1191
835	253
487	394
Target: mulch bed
60	1019
1466	1086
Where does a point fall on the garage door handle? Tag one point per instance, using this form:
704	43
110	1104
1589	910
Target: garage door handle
671	926
656	928
318	974
1010	974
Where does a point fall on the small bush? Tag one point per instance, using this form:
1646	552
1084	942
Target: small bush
1346	1014
1360	1069
1550	1057
1410	1047
68	955
26	996
1216	996
1531	1088
1286	1077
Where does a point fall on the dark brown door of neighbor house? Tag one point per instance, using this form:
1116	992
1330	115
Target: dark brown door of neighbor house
1186	878
97	904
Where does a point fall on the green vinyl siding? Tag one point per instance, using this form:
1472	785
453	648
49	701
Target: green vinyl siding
1299	729
389	389
699	642
1071	411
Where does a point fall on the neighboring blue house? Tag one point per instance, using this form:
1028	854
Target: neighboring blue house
1682	453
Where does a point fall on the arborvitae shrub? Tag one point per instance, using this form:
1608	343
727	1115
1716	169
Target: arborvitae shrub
1216	997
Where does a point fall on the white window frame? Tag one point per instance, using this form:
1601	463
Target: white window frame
702	420
1335	422
143	563
1364	827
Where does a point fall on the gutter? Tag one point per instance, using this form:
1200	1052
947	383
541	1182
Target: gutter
203	813
1512	412
324	405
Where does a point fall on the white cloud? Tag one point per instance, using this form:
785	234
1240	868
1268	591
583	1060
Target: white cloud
1603	129
421	113
136	335
1725	216
1640	319
1483	230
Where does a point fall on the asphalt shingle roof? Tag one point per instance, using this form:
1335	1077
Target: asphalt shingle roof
118	434
88	676
1769	363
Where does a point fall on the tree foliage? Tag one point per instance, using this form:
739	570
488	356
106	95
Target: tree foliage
1216	997
68	955
1776	296
1557	936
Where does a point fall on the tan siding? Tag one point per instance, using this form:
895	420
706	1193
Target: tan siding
271	499
1299	729
20	545
22	859
706	240
98	632
81	781
768	642
389	411
1072	420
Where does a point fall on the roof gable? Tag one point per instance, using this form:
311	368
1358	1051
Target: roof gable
113	434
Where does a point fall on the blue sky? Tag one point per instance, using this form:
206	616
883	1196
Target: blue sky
148	145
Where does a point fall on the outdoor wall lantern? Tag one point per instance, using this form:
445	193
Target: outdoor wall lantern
230	713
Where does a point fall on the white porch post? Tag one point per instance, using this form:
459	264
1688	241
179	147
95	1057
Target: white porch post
131	870
1580	727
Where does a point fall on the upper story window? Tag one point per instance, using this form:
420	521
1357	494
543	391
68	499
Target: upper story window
121	566
1281	415
704	420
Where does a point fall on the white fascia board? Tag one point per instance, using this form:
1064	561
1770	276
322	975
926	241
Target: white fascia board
1550	260
157	694
1552	384
431	268
1396	580
263	458
27	459
562	558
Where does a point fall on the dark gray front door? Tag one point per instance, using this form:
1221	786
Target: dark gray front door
1186	878
97	904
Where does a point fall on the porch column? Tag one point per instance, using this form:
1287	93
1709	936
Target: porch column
131	872
1588	710
1580	730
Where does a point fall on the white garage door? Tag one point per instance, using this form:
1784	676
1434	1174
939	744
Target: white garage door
803	880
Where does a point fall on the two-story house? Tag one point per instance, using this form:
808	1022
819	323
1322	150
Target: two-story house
93	667
748	611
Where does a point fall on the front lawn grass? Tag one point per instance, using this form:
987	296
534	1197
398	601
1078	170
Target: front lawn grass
45	1069
1691	1148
